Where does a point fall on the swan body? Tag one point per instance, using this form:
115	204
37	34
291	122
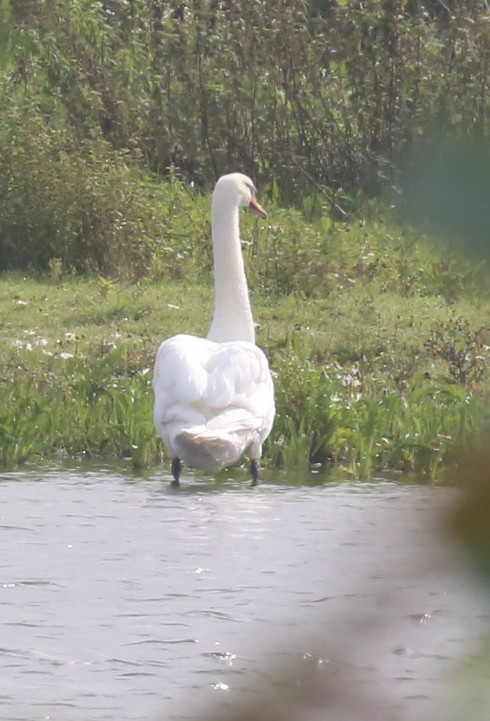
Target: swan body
214	396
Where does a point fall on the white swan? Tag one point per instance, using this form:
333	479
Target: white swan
214	396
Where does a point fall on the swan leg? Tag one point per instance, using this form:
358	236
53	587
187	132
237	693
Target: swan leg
255	468
176	468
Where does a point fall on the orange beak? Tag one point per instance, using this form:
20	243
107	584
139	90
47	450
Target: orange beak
257	208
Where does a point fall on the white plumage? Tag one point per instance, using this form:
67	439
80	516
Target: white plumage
214	396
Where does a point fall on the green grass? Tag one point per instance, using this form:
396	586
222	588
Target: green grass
379	346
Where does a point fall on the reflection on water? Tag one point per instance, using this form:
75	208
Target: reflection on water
125	599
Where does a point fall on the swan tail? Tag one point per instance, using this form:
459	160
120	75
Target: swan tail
201	448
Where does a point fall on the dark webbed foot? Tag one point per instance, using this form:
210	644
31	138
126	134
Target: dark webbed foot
176	468
255	469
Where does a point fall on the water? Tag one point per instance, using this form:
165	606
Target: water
121	598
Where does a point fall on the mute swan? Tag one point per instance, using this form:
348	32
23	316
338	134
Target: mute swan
214	396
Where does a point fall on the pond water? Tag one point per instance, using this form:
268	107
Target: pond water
122	598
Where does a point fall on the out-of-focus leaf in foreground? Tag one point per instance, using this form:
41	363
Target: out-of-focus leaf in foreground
449	190
469	521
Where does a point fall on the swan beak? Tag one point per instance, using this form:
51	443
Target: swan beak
257	208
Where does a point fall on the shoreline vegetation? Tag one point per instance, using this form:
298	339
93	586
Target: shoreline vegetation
379	344
117	119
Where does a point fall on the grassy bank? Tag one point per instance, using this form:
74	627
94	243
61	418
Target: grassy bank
378	338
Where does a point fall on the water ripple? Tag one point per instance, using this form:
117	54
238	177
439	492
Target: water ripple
125	599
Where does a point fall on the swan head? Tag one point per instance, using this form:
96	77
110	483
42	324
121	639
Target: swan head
238	190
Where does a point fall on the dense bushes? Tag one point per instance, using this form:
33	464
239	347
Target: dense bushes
80	206
322	97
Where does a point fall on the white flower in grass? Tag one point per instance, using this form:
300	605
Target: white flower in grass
66	356
21	345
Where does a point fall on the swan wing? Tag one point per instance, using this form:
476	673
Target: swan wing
239	377
212	391
179	375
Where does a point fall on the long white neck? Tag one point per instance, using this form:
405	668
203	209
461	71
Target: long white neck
232	313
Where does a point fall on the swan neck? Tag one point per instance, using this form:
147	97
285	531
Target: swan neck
232	312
